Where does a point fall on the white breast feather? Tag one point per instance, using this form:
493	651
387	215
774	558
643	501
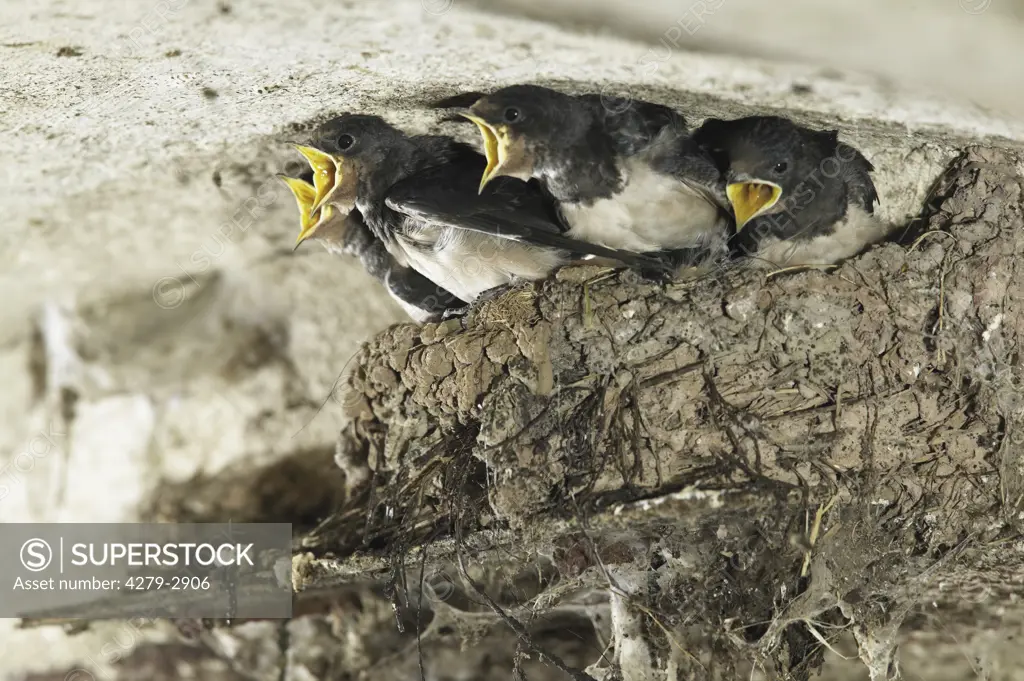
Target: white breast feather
653	211
856	232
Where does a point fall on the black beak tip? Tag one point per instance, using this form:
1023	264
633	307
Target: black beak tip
454	118
463	100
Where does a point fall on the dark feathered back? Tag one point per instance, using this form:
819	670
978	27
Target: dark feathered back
635	124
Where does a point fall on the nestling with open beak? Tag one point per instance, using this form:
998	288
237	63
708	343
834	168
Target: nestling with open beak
624	173
419	196
800	197
348	234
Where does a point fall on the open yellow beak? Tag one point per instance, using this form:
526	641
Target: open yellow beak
326	175
495	148
305	195
750	199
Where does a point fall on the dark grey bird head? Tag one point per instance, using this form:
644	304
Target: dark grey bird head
526	127
771	165
347	154
352	153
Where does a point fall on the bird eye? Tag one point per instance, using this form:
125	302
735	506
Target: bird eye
345	141
512	114
780	167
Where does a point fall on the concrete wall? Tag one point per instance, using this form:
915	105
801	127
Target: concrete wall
153	323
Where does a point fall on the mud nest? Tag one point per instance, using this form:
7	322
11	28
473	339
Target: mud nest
713	475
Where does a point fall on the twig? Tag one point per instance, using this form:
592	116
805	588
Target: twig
515	625
940	353
614	587
812	537
667	376
799	268
419	610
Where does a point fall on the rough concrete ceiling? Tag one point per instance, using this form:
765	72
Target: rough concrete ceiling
142	224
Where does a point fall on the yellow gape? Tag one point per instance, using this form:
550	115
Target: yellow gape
305	194
750	199
496	148
326	175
